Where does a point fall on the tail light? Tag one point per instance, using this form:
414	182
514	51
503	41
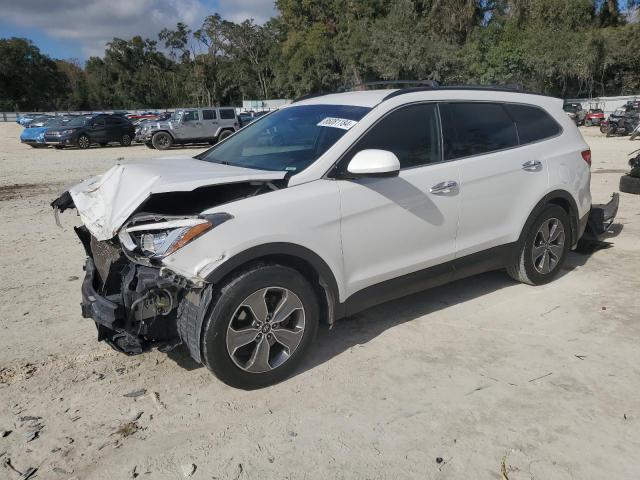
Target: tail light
586	156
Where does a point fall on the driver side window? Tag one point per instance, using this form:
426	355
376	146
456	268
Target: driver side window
190	116
411	132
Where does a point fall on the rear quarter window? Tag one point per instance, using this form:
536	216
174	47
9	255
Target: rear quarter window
533	123
476	128
227	114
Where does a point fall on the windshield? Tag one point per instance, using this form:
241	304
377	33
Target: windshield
288	140
54	122
78	122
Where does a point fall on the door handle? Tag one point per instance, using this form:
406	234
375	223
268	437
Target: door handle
532	165
444	188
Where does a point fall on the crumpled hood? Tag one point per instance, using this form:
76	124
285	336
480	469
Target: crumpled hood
106	201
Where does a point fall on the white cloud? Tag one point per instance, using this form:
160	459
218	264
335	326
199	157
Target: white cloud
95	22
240	10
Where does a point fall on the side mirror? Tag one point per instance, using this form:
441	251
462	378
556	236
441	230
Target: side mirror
374	163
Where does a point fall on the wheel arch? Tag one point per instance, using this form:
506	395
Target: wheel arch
164	131
564	200
224	129
302	259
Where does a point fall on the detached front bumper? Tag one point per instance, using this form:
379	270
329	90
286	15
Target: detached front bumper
596	224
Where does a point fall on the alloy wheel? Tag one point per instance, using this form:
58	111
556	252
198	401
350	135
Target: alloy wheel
548	246
83	141
266	329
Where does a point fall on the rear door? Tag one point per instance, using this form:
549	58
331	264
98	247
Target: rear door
99	132
501	181
228	118
209	123
113	129
394	227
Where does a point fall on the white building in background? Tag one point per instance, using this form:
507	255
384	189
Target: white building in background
259	105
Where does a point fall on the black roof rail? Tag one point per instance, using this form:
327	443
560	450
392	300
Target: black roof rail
384	83
495	88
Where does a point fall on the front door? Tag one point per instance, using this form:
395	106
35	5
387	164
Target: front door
190	126
400	231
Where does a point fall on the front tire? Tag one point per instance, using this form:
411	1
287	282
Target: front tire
125	141
84	142
587	123
260	327
149	145
543	250
162	141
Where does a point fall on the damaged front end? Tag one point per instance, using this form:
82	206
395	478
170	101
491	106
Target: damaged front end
134	217
134	306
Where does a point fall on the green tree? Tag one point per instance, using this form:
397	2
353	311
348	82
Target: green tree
29	80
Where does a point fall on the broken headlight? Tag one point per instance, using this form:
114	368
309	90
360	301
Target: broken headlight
158	240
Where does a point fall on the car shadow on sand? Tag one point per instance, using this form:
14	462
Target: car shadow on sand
365	326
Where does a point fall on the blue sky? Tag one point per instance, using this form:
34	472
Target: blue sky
80	28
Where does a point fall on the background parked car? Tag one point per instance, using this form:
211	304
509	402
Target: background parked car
34	136
26	118
86	131
594	117
190	125
575	112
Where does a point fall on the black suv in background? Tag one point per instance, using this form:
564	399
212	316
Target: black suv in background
85	131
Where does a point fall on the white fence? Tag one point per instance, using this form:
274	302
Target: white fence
608	104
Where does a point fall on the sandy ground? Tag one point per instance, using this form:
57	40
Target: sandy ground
462	381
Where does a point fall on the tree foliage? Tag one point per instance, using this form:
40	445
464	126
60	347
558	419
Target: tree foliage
567	48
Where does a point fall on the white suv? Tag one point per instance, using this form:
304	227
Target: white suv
321	209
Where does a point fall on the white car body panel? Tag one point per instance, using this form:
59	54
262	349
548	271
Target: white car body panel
106	201
393	226
308	216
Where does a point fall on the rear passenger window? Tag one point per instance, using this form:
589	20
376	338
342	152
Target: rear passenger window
227	114
208	115
476	128
534	124
411	133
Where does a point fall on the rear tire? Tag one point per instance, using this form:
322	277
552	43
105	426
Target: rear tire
125	141
284	340
629	184
162	141
149	145
58	147
587	123
543	250
224	134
